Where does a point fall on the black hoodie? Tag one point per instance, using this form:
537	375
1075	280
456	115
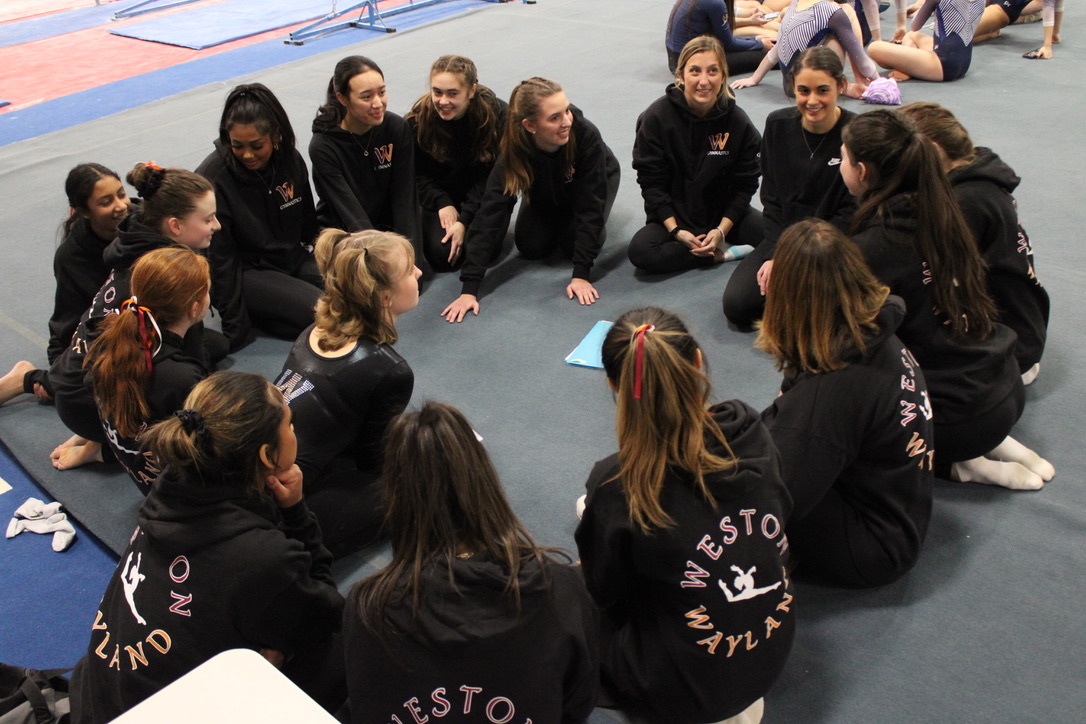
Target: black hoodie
469	653
865	432
459	180
984	189
702	611
268	221
580	191
134	239
698	170
966	376
173	376
79	271
207	570
366	181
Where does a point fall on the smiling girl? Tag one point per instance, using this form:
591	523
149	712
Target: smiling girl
457	127
801	152
556	161
263	268
363	155
178	208
696	157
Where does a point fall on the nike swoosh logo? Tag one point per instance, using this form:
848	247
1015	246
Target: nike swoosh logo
834	162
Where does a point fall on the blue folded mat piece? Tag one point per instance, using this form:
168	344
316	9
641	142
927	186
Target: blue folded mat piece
54	24
4	103
224	22
589	353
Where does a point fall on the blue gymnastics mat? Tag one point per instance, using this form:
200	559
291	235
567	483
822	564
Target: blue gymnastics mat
221	23
52	25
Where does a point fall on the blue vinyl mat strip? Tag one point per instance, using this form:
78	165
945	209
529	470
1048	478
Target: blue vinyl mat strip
121	95
224	22
54	24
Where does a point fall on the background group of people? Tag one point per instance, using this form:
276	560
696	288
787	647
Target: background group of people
886	274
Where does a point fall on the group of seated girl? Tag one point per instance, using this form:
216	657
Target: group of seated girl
764	36
894	370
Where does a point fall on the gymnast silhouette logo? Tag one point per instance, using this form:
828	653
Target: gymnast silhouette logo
286	190
130	580
744	586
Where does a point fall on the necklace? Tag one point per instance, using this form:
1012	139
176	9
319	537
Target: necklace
369	141
808	144
259	175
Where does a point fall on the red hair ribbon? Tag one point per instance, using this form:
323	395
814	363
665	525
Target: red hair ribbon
639	356
142	313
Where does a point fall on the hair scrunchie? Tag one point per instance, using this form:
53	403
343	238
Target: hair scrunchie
192	422
154	181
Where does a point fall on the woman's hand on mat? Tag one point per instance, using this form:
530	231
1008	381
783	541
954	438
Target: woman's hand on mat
455	312
743	83
286	486
583	290
275	658
454	237
763	276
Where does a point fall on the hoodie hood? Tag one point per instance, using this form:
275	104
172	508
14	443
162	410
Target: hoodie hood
721	109
986	167
471	603
134	239
177	509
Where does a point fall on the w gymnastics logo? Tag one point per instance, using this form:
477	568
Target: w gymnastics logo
384	154
718	141
286	191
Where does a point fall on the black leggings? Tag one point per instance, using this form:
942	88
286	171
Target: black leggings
654	251
969	439
348	506
281	304
743	301
436	253
541	228
834	544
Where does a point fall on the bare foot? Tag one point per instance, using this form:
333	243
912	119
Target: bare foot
855	90
11	384
898	76
73	454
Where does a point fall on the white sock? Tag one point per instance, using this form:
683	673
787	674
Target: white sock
63	539
580	507
34	509
1031	374
1011	450
735	253
15	527
994	472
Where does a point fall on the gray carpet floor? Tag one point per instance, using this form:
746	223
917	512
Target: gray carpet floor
985	629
